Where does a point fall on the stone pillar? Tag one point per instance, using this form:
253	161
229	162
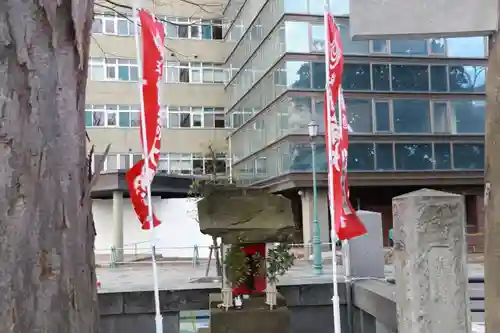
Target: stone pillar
308	216
365	254
431	262
227	289
118	225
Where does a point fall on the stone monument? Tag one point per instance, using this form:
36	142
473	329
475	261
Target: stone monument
431	262
250	223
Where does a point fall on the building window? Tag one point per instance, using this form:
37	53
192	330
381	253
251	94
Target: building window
414	156
112	69
410	77
186	163
111	115
125	116
195	117
194	72
411	116
175	27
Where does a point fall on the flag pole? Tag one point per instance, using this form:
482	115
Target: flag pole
335	298
158	316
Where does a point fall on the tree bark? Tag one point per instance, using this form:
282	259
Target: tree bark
492	189
47	275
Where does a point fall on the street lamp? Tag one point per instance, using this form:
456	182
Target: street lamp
317	259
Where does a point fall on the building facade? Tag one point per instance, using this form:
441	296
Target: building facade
416	110
244	78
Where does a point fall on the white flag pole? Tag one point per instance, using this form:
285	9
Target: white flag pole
158	316
335	298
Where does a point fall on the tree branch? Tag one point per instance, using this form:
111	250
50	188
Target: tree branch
130	20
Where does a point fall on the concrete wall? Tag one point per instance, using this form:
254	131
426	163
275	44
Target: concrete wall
375	19
176	236
373	305
133	312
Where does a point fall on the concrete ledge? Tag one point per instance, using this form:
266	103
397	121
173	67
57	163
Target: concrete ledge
198	299
378	299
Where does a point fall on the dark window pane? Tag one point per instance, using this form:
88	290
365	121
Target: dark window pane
439	78
379	46
410	78
411	116
437	46
468	117
302	158
382	120
361	156
302	75
381	77
409	47
356	77
467	78
413	156
468	156
442	156
441	117
384	156
359	112
318	75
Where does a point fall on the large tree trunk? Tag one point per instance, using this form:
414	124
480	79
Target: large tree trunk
47	276
492	190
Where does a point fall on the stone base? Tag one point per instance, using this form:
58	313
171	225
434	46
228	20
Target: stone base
254	317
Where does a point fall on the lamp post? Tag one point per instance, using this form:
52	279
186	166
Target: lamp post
317	258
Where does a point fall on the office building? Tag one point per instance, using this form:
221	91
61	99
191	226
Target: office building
253	72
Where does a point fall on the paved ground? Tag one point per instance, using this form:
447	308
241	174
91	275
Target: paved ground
178	276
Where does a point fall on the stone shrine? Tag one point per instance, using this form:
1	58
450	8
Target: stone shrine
250	223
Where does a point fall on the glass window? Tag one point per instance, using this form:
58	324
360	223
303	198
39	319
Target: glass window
348	45
356	77
413	156
384	156
383	123
361	156
379	46
359	112
409	47
299	74
88	118
297	36
440	117
439	78
337	7
466	47
467	78
442	156
112	162
410	77
411	116
468	117
437	46
468	156
317	38
318	75
296	6
381	77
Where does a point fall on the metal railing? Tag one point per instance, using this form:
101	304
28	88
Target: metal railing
196	255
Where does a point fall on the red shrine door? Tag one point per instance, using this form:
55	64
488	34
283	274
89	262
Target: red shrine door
259	282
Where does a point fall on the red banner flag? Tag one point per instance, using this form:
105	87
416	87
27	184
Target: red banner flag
347	224
138	195
141	175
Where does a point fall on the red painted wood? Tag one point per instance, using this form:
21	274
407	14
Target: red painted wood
259	282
